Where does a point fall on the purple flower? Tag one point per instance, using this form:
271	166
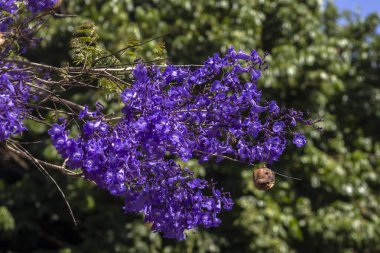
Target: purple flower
14	97
299	140
6	7
278	126
180	113
273	108
36	6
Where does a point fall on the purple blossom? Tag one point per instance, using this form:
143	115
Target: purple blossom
14	97
7	8
273	107
299	140
168	196
205	113
36	6
184	113
278	126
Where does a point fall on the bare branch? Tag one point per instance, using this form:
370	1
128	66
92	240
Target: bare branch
28	156
18	149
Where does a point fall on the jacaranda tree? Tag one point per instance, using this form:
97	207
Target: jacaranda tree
167	114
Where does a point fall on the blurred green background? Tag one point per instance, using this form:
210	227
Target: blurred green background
316	64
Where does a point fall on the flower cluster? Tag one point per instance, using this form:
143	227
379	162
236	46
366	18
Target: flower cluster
36	6
180	112
212	111
14	97
170	197
8	6
208	111
8	9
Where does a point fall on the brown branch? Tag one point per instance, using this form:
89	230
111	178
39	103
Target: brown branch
33	64
39	165
47	164
130	46
81	70
216	155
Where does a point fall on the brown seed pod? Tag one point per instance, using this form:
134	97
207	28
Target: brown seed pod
2	39
263	178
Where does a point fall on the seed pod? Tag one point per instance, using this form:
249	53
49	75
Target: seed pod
263	178
2	39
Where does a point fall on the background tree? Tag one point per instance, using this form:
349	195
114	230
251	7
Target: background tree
314	63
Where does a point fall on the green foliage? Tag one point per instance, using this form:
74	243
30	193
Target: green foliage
86	50
84	45
315	63
109	85
7	222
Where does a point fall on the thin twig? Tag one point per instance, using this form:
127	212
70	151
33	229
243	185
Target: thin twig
44	171
216	155
47	164
130	46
